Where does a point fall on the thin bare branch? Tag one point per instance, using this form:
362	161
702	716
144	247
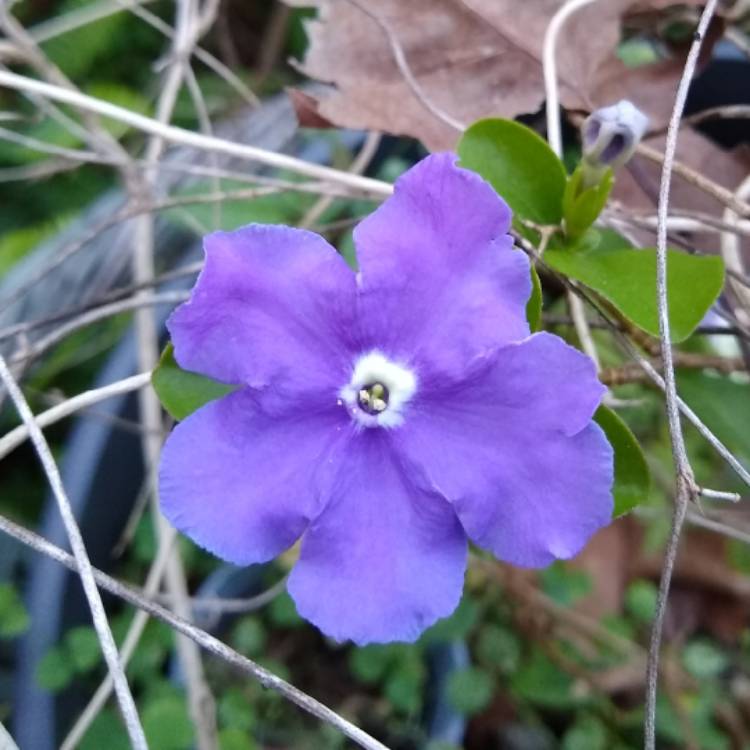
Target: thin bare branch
93	316
203	639
173	134
83	564
129	644
201	703
685	489
11	440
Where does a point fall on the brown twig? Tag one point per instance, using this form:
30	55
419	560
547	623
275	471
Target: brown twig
632	372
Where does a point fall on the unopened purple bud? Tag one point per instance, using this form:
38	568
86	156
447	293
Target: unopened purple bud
611	134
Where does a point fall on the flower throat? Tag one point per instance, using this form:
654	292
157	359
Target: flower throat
373	398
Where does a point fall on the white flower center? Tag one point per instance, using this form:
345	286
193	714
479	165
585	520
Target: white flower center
378	391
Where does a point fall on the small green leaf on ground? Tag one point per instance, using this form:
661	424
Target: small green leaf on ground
55	670
83	646
13	616
640	601
470	690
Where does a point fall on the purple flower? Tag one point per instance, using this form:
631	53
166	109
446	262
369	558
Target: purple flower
384	417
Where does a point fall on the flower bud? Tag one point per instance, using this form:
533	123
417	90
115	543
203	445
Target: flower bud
610	135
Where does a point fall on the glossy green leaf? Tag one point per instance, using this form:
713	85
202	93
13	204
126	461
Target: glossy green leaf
581	208
182	392
632	478
626	277
534	305
519	164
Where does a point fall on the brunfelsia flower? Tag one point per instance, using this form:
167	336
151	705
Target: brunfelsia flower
385	417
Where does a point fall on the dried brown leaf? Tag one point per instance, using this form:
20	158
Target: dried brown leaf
469	58
307	109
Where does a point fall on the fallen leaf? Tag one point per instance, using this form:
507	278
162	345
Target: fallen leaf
637	186
307	110
466	58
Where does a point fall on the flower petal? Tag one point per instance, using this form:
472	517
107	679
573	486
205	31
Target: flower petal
243	483
272	303
384	560
514	450
440	280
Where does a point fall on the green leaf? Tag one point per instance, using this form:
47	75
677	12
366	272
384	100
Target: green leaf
534	305
640	601
167	724
249	636
16	244
13	616
565	585
588	732
283	612
77	51
470	690
369	664
581	208
148	659
626	277
182	392
404	685
106	731
499	648
55	670
236	710
122	96
83	646
519	164
632	477
703	659
236	739
723	404
454	627
544	683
